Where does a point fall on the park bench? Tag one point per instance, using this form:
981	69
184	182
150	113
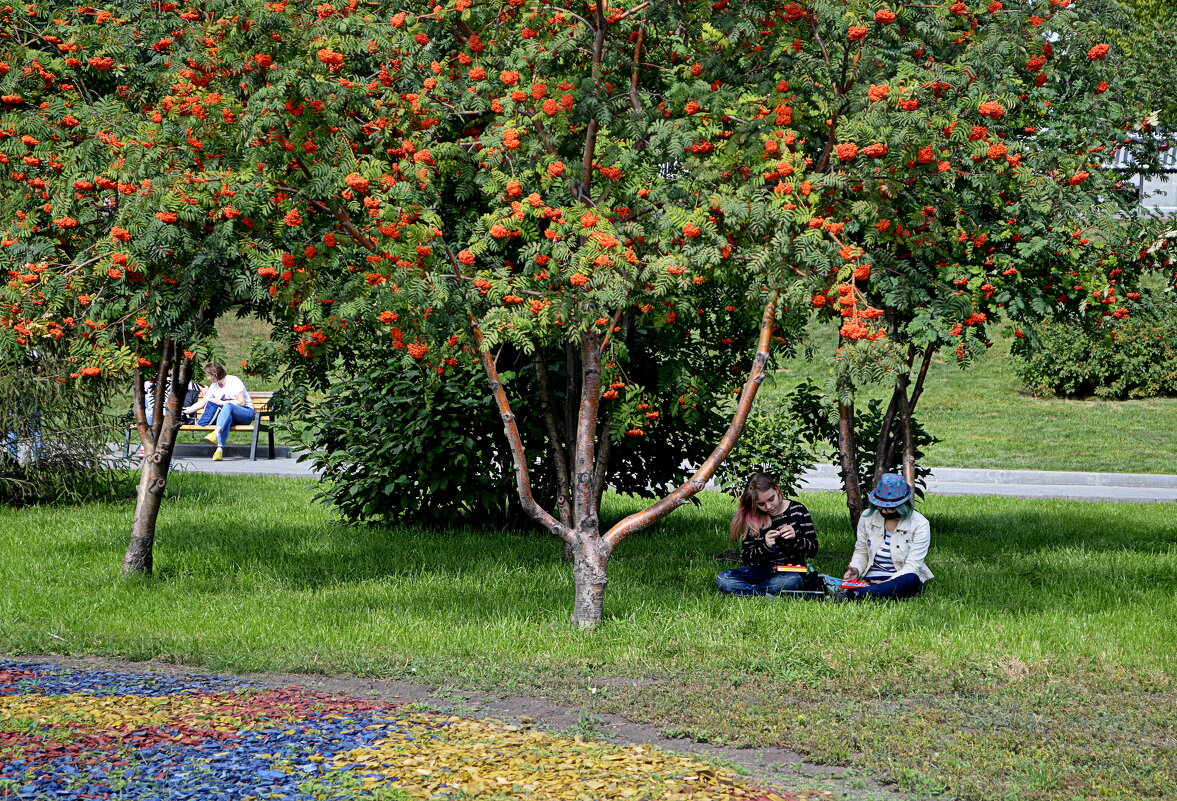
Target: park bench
263	420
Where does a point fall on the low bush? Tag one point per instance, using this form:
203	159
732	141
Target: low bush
393	445
774	442
1131	357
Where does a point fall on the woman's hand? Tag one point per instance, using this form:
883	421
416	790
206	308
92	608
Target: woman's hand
782	533
851	573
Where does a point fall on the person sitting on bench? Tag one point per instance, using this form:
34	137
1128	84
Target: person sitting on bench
225	403
191	396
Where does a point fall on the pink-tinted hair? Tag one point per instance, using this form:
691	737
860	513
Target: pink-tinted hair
747	515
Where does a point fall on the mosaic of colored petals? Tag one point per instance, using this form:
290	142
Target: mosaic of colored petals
69	733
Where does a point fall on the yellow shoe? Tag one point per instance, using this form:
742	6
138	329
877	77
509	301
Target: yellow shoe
218	456
211	438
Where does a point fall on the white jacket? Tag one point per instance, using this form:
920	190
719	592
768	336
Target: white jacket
909	544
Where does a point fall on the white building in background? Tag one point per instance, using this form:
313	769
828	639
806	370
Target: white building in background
1158	192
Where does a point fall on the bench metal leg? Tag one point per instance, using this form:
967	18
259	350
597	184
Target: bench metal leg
253	447
270	431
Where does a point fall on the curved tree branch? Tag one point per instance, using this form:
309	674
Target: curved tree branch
693	485
510	428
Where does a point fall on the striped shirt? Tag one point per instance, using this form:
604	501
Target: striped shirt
882	567
794	551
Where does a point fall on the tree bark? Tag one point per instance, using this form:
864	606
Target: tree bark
601	472
515	442
848	450
160	442
884	445
556	448
908	438
885	439
905	399
590	558
590	553
152	482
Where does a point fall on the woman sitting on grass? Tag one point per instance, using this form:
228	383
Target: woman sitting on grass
225	403
892	542
772	530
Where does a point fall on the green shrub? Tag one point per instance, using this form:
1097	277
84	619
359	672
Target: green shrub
774	442
393	445
1133	357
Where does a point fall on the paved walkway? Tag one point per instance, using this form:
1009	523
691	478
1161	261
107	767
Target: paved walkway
1056	484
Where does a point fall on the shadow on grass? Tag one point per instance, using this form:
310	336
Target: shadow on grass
993	556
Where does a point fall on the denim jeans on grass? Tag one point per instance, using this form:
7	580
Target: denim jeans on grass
902	586
755	580
225	416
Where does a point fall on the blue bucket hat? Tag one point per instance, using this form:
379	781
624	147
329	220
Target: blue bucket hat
891	491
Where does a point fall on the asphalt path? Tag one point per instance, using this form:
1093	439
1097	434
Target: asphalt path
1041	484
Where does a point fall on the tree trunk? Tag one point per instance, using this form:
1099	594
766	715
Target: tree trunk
903	401
848	450
556	446
590	557
895	424
908	439
590	553
152	482
159	444
885	441
907	410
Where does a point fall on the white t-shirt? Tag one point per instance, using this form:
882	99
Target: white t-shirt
227	390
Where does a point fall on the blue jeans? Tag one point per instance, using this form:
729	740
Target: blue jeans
903	586
228	415
754	580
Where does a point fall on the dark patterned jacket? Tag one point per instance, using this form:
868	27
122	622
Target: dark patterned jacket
795	551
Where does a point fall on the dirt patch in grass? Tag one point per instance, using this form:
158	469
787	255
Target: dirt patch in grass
932	735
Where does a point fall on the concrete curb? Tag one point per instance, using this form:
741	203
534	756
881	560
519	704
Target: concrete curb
1037	490
959	475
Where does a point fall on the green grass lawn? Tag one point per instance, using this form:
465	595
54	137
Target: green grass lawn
235	336
985	419
1039	665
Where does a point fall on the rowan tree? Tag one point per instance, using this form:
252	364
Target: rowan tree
559	178
1147	46
961	156
120	209
185	156
600	210
624	156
